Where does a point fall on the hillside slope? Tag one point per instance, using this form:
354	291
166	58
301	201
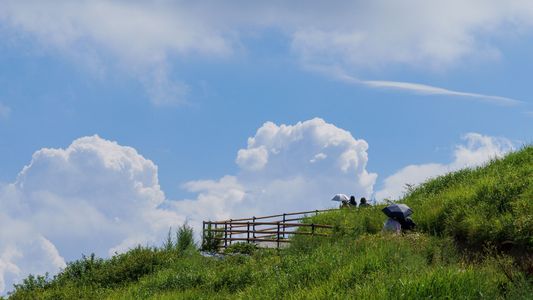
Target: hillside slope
474	240
489	207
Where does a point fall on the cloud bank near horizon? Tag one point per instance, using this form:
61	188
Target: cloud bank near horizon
102	197
477	150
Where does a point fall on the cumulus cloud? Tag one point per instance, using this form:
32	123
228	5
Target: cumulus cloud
286	167
94	196
477	150
252	159
145	37
98	196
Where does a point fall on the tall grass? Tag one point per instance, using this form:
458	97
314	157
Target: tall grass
486	207
371	266
474	241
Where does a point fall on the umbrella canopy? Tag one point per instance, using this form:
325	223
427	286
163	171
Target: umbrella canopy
398	211
341	198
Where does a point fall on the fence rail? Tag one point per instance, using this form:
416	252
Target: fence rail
273	230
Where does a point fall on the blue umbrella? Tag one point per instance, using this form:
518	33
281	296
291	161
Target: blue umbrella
397	211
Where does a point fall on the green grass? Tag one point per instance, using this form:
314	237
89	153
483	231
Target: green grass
474	241
486	205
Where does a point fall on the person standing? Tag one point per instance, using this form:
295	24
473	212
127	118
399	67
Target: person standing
363	203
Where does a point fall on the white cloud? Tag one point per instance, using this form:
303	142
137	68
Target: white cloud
141	32
144	37
432	90
252	159
285	168
7	266
94	196
478	150
318	157
98	196
23	249
416	88
136	37
5	111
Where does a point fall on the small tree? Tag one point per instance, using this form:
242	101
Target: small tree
210	242
168	244
184	238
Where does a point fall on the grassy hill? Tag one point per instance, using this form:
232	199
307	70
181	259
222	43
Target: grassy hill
474	241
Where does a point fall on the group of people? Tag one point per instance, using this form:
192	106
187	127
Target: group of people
399	214
353	203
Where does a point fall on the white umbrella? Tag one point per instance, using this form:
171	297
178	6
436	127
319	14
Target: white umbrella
341	198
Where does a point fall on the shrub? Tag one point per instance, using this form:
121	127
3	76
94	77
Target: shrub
242	248
184	238
30	285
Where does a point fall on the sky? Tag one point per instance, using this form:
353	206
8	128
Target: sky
120	119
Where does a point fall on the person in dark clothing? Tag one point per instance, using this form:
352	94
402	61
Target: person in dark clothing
352	201
407	224
362	202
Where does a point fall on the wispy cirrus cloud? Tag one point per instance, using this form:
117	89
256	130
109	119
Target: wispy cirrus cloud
433	90
412	87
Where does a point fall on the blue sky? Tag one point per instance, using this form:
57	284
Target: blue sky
53	100
186	86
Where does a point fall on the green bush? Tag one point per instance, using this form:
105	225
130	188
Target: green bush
241	248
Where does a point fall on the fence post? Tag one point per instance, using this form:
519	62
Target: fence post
313	229
277	239
254	227
284	225
203	232
216	234
225	234
248	232
230	230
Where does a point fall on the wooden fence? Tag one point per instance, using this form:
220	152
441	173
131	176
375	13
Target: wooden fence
266	231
